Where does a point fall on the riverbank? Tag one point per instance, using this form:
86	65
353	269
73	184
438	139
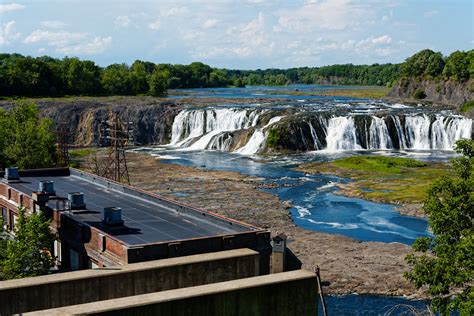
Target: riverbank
347	265
400	181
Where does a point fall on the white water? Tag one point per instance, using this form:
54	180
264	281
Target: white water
212	129
257	140
195	129
341	134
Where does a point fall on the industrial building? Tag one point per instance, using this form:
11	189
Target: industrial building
168	256
101	223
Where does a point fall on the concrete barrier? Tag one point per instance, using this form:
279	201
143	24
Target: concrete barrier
285	294
45	292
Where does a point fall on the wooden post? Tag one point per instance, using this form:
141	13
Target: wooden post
320	290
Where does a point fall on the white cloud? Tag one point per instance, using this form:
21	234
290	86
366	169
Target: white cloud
122	21
96	46
175	11
384	39
155	25
431	13
7	33
11	7
53	24
69	42
58	38
327	14
208	24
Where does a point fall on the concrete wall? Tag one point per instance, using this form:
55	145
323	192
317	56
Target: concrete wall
285	294
44	292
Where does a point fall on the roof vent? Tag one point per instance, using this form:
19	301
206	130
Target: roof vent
47	186
11	174
112	216
77	200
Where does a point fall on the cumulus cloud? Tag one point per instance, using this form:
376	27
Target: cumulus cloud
11	7
70	42
327	14
123	21
210	23
155	25
59	38
53	24
7	33
96	46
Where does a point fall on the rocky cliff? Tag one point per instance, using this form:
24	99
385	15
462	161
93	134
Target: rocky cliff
151	118
437	91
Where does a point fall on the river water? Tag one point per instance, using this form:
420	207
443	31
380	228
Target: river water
336	127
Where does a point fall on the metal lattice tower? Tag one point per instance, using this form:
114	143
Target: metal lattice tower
116	134
62	138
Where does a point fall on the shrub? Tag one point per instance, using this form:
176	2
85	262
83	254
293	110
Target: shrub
419	94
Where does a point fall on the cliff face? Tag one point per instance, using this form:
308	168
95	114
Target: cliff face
152	119
444	92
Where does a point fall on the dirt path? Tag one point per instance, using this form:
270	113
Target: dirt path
348	265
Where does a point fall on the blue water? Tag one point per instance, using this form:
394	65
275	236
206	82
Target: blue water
263	92
316	206
369	305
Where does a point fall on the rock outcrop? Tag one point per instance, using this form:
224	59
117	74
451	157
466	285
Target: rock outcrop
437	91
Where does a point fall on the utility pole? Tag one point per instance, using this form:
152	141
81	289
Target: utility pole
62	138
116	134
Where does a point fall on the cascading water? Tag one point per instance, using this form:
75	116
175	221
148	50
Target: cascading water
201	129
212	129
341	134
257	139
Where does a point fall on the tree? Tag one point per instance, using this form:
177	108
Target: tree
423	63
29	252
457	66
116	80
158	83
26	139
444	263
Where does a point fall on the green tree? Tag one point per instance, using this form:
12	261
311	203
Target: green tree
423	63
26	139
116	80
29	252
158	83
457	66
444	263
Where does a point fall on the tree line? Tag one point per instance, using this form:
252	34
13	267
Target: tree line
46	76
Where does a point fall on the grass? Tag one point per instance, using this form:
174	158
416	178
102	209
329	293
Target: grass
383	179
466	107
77	156
375	92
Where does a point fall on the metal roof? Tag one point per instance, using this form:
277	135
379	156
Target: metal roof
148	218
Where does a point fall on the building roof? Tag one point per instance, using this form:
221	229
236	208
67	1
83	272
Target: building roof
148	218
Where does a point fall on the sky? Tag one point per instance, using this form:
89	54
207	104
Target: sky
245	34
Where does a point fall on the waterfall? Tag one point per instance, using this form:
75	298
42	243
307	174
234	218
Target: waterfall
257	140
214	129
341	134
196	129
379	137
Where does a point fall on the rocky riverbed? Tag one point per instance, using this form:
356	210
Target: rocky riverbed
347	265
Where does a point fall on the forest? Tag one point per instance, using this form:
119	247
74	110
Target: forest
25	76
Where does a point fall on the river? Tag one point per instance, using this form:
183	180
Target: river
231	137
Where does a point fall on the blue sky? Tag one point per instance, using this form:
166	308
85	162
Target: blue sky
246	34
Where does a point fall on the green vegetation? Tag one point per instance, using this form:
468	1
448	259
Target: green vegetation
273	138
444	263
419	94
458	66
466	107
29	253
25	76
383	179
26	140
365	92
